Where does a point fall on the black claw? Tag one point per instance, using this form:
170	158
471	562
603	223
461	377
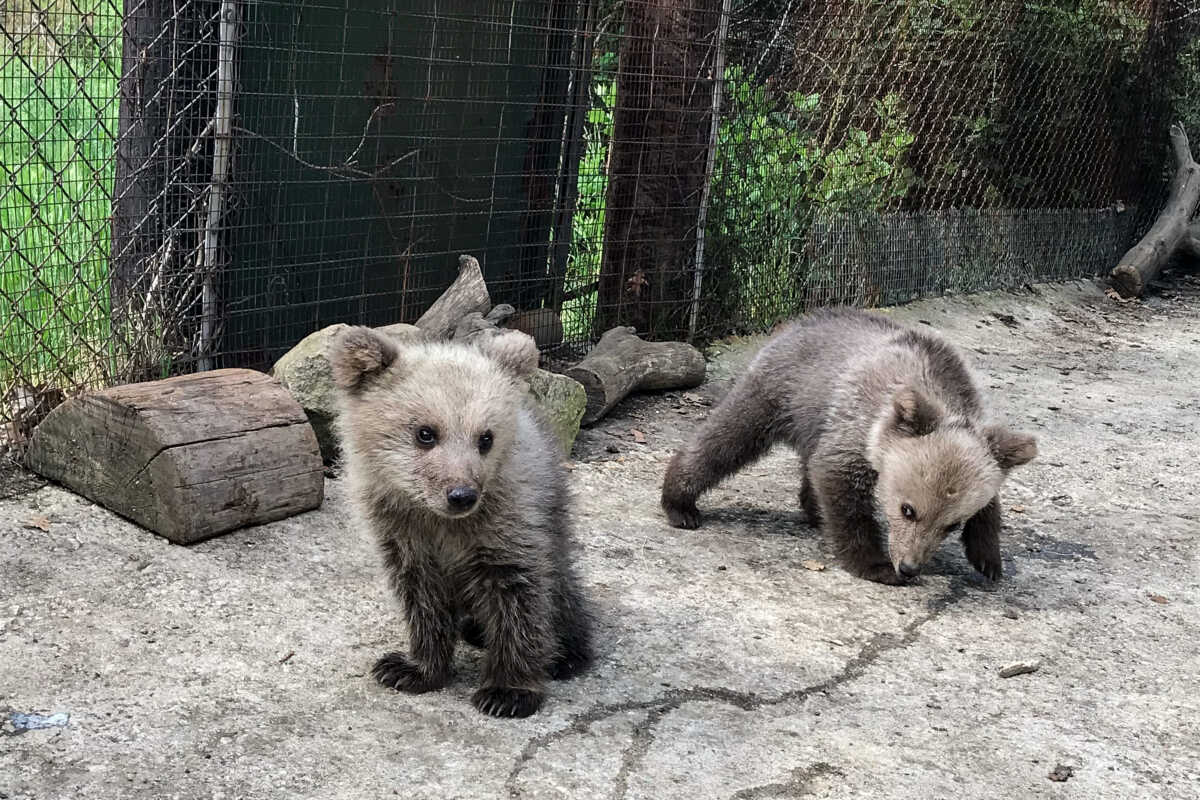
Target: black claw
497	701
395	671
687	517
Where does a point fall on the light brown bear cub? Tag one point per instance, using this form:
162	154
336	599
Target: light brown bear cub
461	483
895	449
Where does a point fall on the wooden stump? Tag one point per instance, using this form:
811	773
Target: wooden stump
188	457
1171	231
621	363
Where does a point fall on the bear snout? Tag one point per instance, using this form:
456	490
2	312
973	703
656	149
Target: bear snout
461	499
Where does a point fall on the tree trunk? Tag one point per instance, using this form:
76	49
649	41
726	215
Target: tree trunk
163	160
1170	231
141	123
543	157
656	167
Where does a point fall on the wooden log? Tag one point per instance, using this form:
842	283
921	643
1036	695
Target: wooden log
1170	231
187	457
467	294
622	363
1191	243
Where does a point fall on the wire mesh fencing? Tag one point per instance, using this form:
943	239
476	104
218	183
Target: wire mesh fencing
190	184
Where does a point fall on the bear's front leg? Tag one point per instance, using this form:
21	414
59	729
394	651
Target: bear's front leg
432	632
512	605
848	515
981	540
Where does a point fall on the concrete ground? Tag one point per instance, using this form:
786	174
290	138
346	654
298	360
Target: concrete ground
730	665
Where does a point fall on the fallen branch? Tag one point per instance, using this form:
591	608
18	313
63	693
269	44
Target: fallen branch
466	295
1171	231
622	363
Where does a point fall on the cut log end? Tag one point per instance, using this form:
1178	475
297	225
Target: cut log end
1127	281
188	457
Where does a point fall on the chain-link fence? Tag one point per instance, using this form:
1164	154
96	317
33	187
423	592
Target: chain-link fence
191	184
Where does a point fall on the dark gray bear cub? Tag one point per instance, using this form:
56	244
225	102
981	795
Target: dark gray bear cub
896	452
461	483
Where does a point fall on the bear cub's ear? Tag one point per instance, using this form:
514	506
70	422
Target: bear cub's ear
1010	448
513	350
359	355
914	413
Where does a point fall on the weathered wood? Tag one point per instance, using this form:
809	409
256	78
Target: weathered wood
542	324
467	294
622	363
188	457
1170	231
1191	242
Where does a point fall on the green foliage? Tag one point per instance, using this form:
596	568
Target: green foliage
57	139
773	175
587	228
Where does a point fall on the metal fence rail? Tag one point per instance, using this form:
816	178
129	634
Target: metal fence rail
198	183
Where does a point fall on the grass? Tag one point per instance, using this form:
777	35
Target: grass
58	124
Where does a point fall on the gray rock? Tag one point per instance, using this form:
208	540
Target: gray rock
304	371
562	400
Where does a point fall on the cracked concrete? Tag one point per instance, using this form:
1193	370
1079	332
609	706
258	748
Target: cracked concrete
728	667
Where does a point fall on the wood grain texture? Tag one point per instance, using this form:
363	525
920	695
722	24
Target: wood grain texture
188	457
468	293
621	363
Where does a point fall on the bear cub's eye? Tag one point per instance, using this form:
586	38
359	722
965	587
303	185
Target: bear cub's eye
908	512
485	442
426	437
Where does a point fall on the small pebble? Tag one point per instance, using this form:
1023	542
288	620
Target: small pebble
1019	668
1011	613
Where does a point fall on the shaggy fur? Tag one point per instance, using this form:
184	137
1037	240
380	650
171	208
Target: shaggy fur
890	427
461	483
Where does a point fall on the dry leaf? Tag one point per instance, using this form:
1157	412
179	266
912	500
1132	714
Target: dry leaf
1158	598
1017	509
1114	295
38	521
638	436
815	566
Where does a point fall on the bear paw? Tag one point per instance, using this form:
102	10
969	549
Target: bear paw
395	671
498	701
682	515
989	567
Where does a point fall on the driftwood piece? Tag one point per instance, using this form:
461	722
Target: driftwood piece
187	457
467	294
1170	231
622	363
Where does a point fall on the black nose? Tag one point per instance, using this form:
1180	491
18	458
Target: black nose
909	569
461	498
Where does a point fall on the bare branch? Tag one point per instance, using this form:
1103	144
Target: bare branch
347	169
